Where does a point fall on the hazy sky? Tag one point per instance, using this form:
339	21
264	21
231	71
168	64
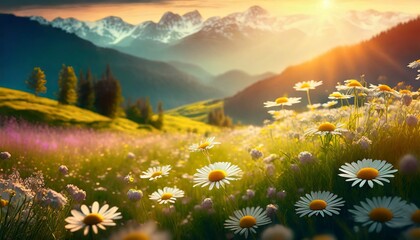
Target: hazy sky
135	11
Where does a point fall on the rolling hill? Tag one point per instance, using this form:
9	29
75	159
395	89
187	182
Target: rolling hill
196	111
382	59
22	105
25	44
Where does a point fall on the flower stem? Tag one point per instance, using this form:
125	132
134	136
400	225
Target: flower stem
309	98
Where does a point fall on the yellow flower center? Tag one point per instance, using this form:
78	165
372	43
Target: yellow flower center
282	100
93	219
380	214
416	216
384	88
305	85
217	175
317	204
3	203
156	174
367	173
204	145
414	233
336	95
136	236
326	127
166	196
354	83
247	221
406	92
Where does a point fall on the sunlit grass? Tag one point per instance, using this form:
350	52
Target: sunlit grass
98	162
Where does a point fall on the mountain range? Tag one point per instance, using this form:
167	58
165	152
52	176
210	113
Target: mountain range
238	38
25	44
383	60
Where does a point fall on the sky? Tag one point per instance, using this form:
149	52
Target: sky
136	11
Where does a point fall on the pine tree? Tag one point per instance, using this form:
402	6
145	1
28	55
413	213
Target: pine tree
108	94
86	91
147	111
36	81
217	117
133	111
159	121
67	84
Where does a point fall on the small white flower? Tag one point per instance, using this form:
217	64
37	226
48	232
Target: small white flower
306	85
414	64
319	203
166	195
411	215
367	171
350	86
154	173
338	95
282	101
96	218
247	220
329	104
378	211
326	128
217	175
382	89
203	145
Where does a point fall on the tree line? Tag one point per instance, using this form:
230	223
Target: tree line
103	96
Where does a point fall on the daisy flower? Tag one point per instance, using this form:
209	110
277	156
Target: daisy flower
367	171
326	128
305	86
412	215
383	89
414	64
166	195
282	114
412	233
146	231
338	95
95	218
313	106
350	86
203	145
217	174
319	203
247	220
379	211
154	173
282	101
329	104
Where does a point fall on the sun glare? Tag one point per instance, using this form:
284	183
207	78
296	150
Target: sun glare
326	4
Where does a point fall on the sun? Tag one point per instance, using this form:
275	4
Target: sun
326	4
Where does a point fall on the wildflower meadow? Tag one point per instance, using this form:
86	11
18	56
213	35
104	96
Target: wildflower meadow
347	168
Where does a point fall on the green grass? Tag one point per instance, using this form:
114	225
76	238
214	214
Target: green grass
197	111
98	164
24	105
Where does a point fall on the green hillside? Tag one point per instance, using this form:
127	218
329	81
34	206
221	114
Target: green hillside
197	111
44	110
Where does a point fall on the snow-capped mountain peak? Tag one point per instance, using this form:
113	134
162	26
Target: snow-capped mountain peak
173	27
169	19
194	17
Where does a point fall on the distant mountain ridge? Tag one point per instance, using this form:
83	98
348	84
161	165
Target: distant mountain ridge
192	39
25	44
382	59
